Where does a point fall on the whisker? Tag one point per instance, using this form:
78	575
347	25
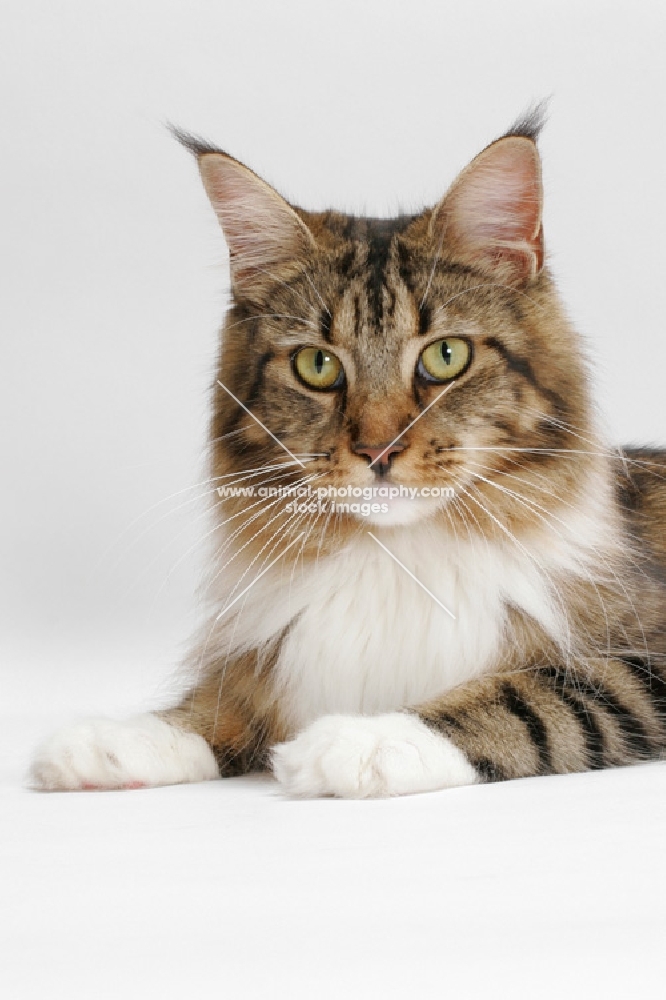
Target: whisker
459	501
232	624
212	531
541	513
614	452
432	271
271	315
292	290
316	291
192	500
542	570
489	284
275	501
598	552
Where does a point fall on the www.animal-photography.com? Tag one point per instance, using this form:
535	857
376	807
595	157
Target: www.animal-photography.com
334	534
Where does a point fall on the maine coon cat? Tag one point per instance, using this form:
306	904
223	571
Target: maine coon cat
514	628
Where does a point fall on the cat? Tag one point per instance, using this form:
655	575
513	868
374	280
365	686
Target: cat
514	625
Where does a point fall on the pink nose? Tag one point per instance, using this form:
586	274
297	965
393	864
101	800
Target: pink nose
380	455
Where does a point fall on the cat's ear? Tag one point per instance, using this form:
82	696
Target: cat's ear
491	216
264	234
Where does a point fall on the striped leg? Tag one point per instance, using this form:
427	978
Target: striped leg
532	722
552	721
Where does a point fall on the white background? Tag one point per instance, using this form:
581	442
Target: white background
113	284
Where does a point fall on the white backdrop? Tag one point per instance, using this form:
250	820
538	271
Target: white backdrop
113	272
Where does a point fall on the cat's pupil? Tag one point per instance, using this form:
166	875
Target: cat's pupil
446	352
319	361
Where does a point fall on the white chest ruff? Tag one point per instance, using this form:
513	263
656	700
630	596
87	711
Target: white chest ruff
365	637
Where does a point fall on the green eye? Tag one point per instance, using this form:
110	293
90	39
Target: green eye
444	359
318	369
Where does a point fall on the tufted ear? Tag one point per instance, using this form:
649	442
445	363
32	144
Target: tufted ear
265	236
491	216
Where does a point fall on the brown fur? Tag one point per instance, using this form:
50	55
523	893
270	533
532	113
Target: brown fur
376	292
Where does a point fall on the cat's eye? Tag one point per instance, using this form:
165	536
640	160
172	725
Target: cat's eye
444	359
319	369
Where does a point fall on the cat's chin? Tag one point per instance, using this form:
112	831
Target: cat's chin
402	511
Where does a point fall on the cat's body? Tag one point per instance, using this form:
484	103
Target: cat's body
516	629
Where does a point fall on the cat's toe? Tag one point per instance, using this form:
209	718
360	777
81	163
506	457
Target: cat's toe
369	756
135	753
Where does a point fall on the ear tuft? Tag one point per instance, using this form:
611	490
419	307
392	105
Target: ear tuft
194	143
491	216
265	236
530	124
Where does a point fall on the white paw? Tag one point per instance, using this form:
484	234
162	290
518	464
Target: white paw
136	753
356	756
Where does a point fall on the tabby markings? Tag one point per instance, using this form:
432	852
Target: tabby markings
263	426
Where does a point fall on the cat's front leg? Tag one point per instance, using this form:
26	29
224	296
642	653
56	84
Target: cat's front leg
360	756
140	752
220	728
532	722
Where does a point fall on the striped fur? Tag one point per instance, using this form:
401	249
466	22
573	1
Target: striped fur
552	553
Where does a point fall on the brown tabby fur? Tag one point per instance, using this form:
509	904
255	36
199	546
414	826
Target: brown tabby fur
362	288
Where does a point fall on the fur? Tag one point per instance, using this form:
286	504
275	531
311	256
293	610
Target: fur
139	752
324	654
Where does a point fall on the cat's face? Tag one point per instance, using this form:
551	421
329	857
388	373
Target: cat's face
423	352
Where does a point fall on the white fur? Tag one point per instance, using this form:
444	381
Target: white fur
361	638
401	510
102	753
365	638
359	757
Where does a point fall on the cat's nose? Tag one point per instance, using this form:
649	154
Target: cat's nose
380	456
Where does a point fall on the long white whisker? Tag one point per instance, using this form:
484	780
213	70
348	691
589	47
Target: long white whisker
227	607
192	500
261	502
187	489
541	513
546	575
599	553
262	425
316	291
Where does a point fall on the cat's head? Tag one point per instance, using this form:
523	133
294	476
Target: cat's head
422	351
